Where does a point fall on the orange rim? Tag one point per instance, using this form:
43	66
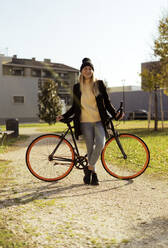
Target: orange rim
134	175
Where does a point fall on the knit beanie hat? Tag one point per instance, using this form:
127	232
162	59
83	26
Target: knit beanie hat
86	62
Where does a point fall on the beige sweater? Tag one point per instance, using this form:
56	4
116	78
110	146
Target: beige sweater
89	110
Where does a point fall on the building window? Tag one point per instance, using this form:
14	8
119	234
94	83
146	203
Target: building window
18	99
36	73
7	70
46	74
39	83
63	75
13	71
18	71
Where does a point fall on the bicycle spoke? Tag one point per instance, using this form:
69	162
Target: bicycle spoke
39	162
136	161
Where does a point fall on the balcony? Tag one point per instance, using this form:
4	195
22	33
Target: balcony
64	91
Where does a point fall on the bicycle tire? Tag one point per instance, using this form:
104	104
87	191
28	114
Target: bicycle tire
137	161
37	158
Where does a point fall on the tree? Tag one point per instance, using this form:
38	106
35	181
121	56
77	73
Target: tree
155	74
161	51
161	44
49	102
151	82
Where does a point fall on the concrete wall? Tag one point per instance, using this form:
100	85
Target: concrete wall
135	100
18	86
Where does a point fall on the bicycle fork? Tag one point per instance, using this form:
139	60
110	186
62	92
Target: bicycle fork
116	136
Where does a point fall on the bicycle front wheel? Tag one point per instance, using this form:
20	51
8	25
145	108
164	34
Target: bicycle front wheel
46	167
135	161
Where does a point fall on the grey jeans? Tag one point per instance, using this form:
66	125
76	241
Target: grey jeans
94	136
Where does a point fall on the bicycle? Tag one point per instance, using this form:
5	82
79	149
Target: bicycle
51	157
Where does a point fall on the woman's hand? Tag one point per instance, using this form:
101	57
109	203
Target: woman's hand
59	117
121	117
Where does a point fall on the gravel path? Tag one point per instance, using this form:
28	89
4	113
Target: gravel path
69	214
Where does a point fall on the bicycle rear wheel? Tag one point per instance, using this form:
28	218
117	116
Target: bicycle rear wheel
40	163
136	160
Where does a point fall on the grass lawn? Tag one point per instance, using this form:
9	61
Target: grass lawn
157	142
10	141
44	127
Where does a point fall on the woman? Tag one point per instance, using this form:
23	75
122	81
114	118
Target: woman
89	108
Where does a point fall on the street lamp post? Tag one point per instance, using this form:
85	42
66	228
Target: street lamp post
123	82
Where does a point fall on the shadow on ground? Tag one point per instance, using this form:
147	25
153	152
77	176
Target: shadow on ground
52	190
150	234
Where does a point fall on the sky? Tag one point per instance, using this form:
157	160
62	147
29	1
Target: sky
117	35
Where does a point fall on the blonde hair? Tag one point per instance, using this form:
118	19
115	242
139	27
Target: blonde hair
93	82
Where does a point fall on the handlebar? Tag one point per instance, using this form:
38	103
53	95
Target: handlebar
68	120
120	111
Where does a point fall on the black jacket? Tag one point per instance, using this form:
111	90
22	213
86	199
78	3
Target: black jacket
103	104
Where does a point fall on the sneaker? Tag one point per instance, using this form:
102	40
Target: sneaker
94	180
87	175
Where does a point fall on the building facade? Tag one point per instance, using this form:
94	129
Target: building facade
124	88
136	99
19	85
139	100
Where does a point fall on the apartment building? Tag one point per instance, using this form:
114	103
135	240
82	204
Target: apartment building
19	85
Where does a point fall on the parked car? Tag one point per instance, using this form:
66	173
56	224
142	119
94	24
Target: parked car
140	114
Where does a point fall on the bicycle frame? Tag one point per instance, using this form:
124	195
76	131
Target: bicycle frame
116	136
66	154
81	160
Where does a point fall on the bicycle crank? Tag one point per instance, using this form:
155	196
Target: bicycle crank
81	162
